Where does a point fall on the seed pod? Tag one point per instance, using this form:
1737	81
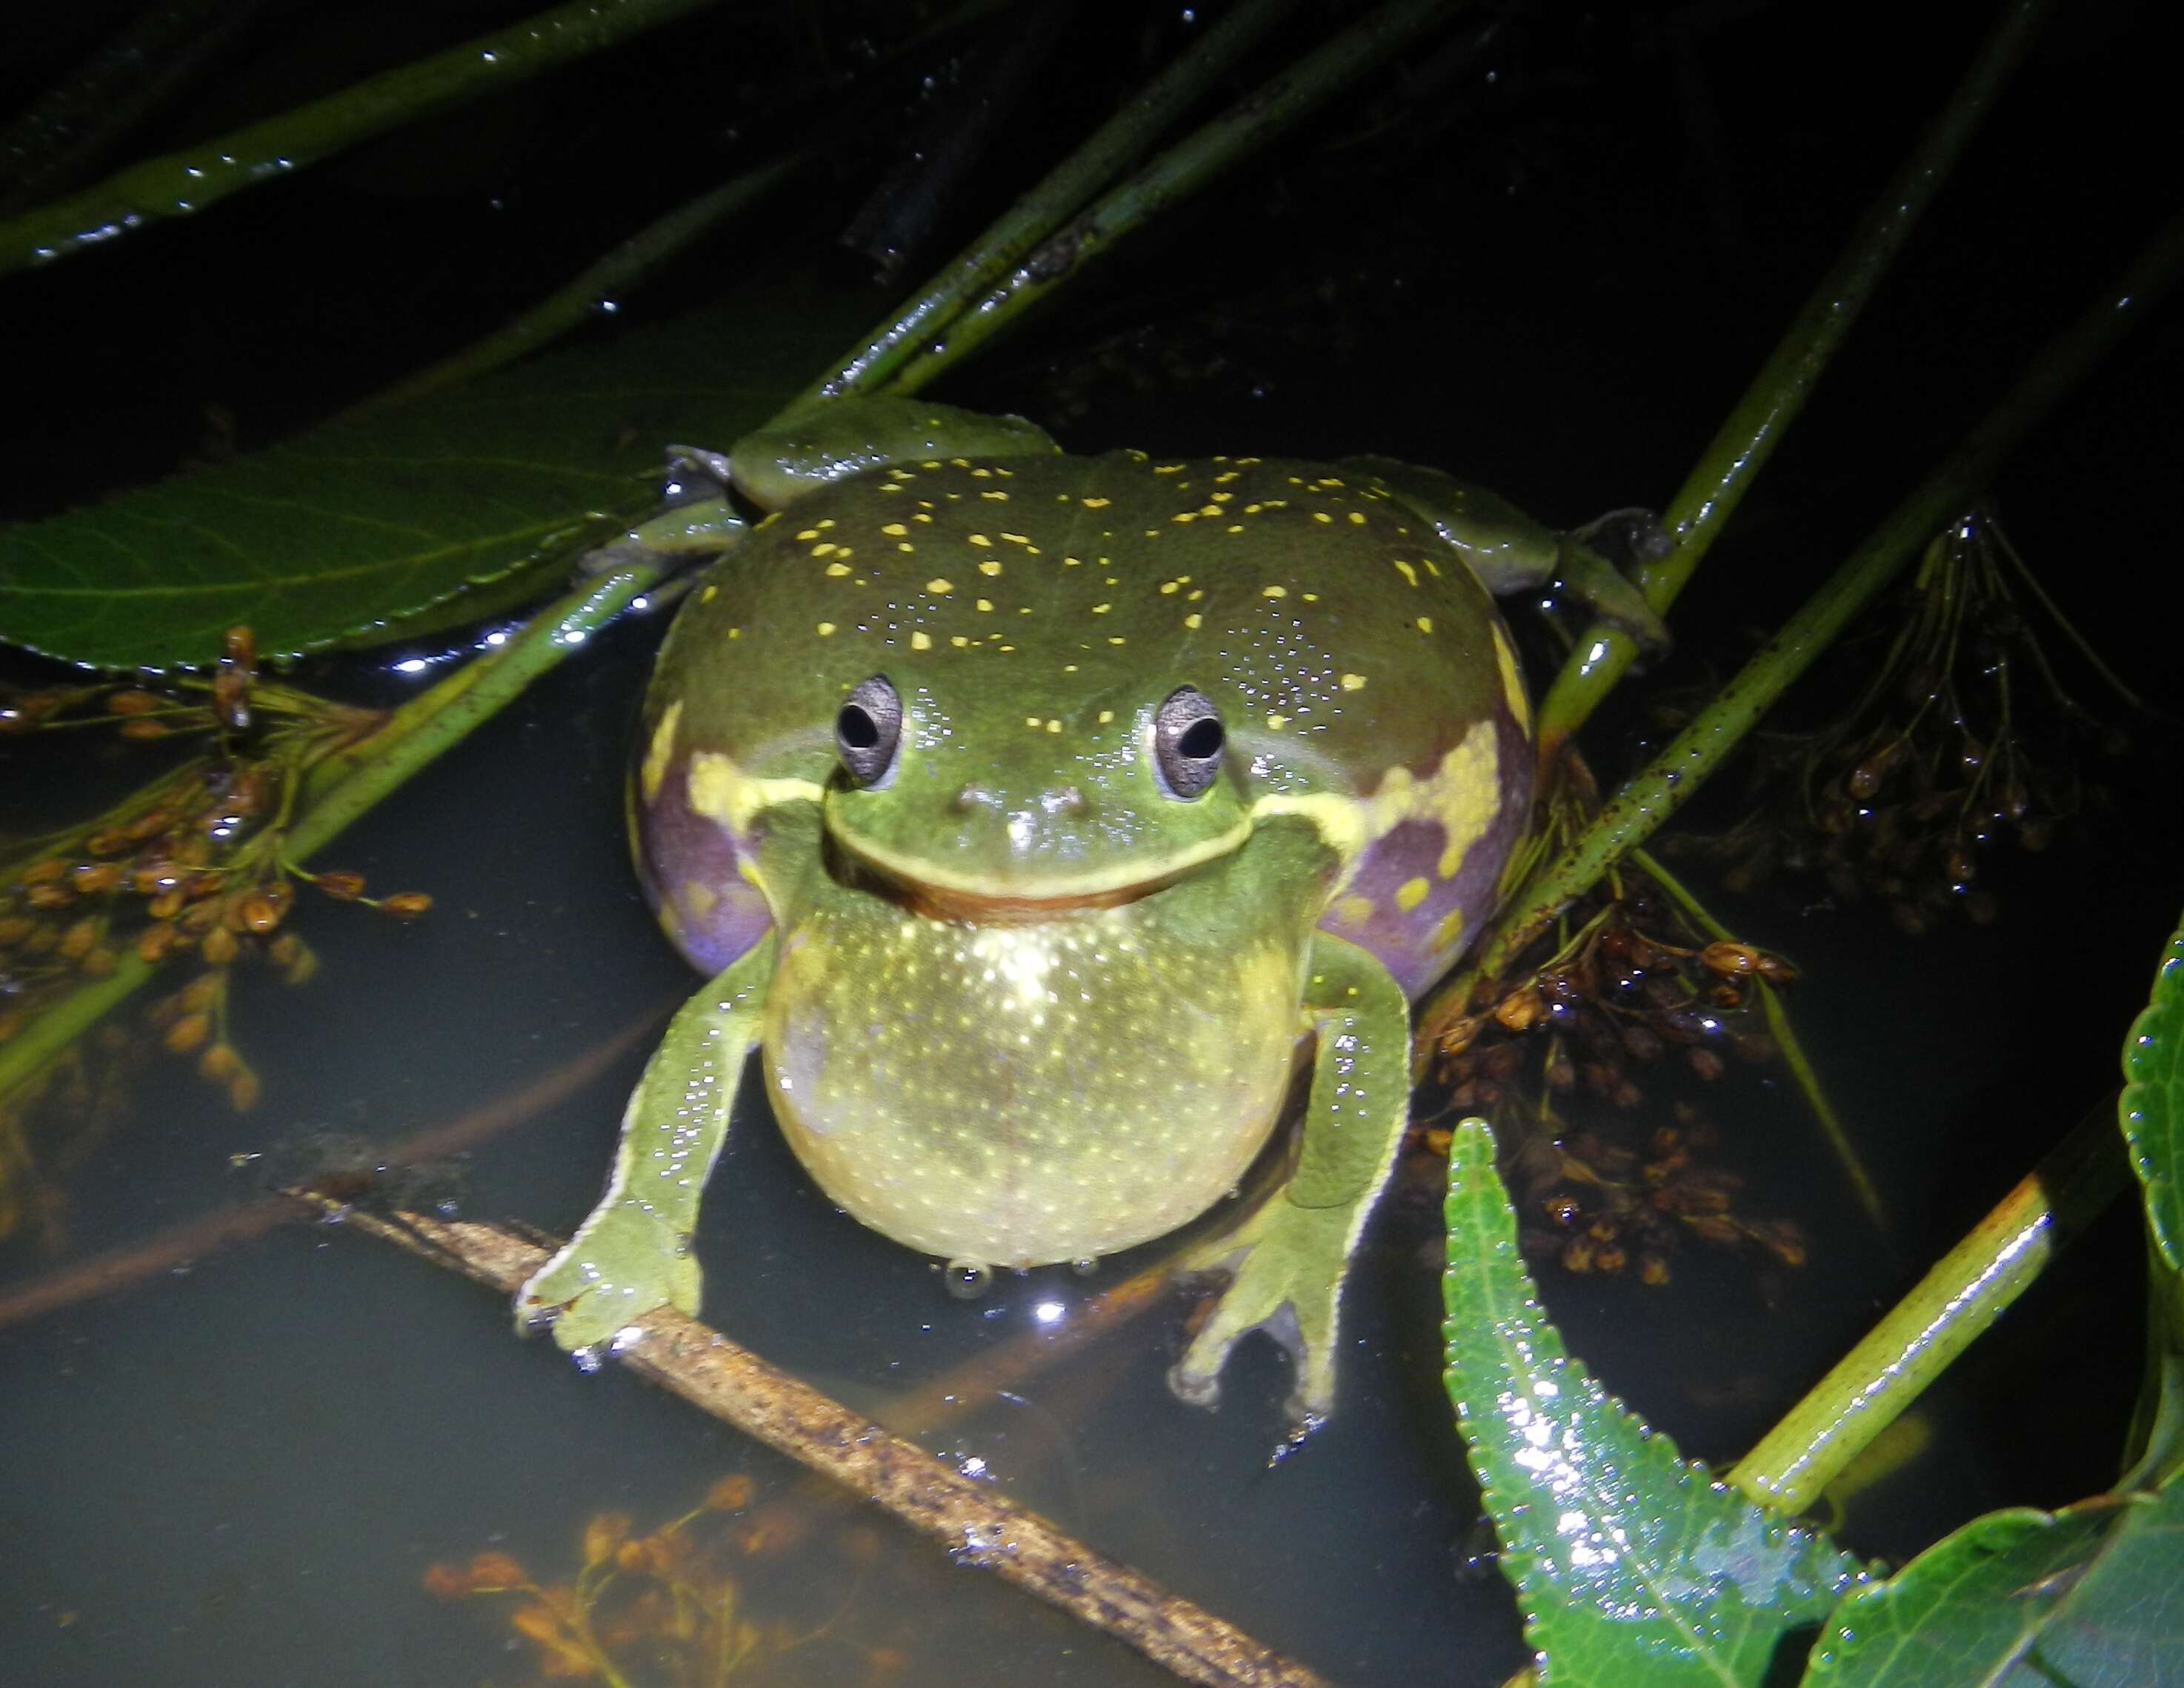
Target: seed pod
107	841
97	963
1577	1255
188	1032
257	912
44	871
340	884
221	946
48	895
150	825
1610	1258
14	928
1705	1064
91	878
1730	961
154	941
202	991
1652	1271
238	645
243	1090
76	941
144	726
166	905
1774	969
134	702
406	904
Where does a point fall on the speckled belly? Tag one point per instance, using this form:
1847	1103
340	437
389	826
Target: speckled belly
1026	1092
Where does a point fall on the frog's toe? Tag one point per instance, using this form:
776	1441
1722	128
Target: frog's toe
616	1270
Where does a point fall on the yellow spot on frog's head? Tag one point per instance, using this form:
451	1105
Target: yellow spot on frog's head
1274	592
1410	893
698	898
1448	930
1194	621
826	548
1425	624
735	633
826	628
940	587
1116	639
1358	517
985	604
708	594
1032	721
1275	723
959	641
809	533
1101	608
1353	682
1407	572
989	567
921	641
980	539
1353	910
1097	504
837	569
1321	515
1053	726
895	530
1105	714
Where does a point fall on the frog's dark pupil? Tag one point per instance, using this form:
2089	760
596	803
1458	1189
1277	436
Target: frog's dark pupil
1201	740
856	727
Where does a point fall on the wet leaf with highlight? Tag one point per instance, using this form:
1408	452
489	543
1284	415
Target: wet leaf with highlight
2152	1109
349	533
2091	1596
1633	1568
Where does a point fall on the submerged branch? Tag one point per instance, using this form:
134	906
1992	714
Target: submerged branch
1915	1341
1749	435
976	1526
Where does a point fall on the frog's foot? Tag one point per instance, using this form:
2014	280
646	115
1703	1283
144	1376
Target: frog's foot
624	1261
1585	569
1286	1264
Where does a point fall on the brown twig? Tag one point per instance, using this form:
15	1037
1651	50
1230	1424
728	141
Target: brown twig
179	1244
978	1528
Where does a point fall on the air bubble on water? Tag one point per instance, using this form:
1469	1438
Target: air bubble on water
968	1279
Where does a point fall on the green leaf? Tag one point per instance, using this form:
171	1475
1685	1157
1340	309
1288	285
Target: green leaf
340	534
2091	1596
1633	1566
2152	1108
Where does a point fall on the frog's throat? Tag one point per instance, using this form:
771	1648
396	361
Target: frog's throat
948	893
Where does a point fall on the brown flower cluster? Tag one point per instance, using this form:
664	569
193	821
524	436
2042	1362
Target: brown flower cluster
1962	738
1636	999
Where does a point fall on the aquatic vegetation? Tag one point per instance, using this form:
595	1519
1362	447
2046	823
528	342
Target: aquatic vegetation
1960	737
664	1609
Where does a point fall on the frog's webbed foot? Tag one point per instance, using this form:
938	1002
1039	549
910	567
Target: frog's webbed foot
1585	569
625	1261
1285	1266
695	523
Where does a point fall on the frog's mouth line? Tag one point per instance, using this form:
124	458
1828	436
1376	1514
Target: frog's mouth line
910	885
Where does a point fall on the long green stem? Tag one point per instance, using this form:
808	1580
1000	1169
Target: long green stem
1236	134
346	784
1035	216
1917	1339
1785	1040
180	184
1650	797
572	305
1748	436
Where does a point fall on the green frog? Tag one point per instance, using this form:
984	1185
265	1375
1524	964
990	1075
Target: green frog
1033	816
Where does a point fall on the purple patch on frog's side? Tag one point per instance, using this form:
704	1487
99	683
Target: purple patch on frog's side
1415	944
690	866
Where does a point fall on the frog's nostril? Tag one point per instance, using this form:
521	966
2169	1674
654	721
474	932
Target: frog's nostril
975	797
1066	800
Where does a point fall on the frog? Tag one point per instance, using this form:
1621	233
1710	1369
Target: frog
1036	818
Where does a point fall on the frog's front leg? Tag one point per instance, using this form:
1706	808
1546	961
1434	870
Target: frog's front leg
632	1254
1289	1258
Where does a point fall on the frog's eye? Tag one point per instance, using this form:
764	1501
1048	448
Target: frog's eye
868	729
1187	740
